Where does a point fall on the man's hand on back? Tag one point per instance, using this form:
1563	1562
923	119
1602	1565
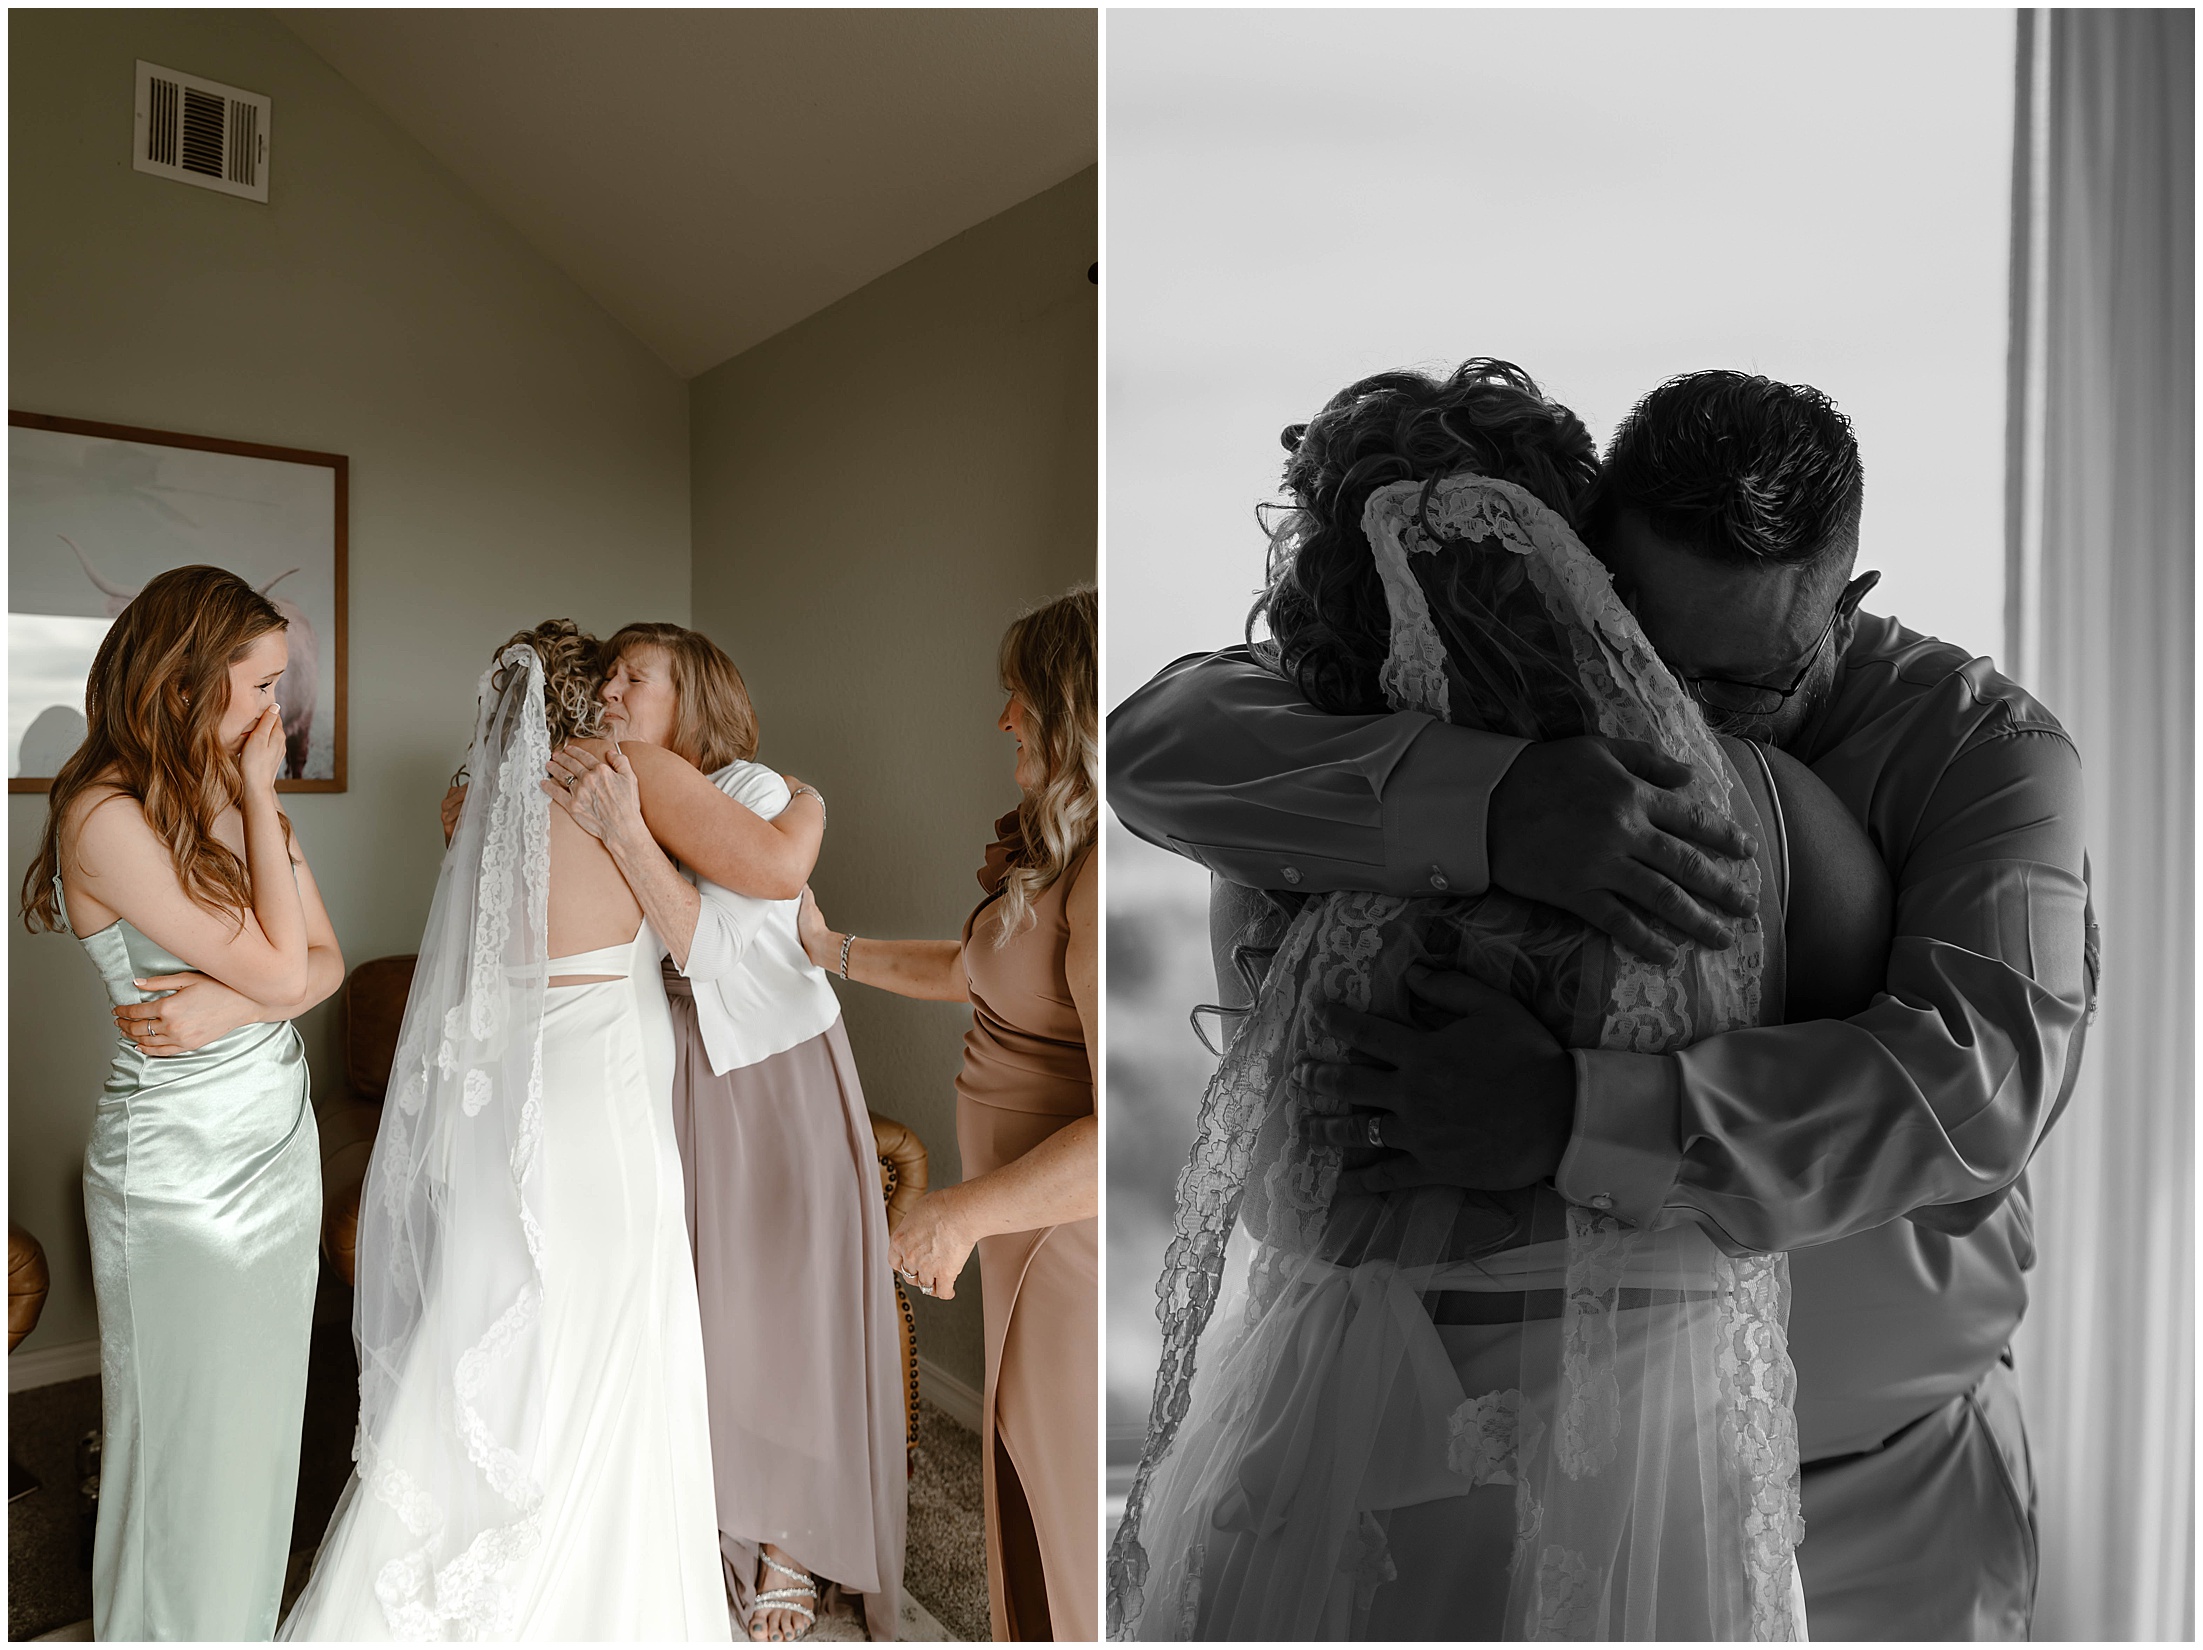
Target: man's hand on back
1593	826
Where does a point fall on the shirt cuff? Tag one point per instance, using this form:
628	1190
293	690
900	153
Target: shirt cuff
1436	801
715	948
1626	1149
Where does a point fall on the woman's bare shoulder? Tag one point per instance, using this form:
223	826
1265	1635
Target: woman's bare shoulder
1810	808
643	758
105	806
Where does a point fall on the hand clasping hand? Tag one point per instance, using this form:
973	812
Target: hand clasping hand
1484	1101
930	1247
198	1009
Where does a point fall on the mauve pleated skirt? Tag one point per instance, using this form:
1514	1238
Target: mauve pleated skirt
801	1355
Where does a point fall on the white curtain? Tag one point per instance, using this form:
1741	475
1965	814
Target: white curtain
2101	610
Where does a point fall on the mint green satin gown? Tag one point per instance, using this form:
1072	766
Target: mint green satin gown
202	1194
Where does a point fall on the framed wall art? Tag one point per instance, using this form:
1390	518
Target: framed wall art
95	510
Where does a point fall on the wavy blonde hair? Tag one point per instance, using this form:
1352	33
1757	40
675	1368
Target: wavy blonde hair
153	704
1048	660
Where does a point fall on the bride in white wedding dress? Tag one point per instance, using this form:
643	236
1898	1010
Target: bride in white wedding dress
534	1453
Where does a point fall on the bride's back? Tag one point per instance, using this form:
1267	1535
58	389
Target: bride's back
591	905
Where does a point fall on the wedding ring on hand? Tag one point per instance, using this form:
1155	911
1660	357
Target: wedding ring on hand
911	1278
1376	1130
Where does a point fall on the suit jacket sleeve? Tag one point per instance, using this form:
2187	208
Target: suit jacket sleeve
1780	1137
1221	760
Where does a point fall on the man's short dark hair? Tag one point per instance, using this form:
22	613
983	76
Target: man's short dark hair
1738	467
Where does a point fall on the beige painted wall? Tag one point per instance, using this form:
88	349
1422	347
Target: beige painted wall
877	492
514	454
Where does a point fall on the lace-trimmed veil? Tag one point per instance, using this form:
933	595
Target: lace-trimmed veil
450	1286
1305	1392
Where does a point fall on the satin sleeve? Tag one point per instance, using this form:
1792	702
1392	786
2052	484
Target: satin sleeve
727	922
1221	760
1781	1137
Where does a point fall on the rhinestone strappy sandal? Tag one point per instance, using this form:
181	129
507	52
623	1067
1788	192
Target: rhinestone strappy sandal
798	1599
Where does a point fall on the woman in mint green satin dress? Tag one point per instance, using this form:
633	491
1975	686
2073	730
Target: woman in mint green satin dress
166	853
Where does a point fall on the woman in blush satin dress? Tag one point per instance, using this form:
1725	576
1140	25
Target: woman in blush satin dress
784	1206
168	855
1026	1129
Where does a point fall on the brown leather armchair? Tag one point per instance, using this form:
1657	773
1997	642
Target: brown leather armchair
374	1007
28	1281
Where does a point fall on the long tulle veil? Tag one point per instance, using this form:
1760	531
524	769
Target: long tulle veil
1640	1419
450	1272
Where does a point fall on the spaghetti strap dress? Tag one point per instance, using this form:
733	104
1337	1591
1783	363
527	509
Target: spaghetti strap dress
1026	1074
202	1199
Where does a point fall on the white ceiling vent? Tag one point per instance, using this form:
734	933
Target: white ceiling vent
202	132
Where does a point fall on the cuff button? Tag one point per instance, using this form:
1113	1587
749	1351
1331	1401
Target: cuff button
1438	879
1292	875
1602	1201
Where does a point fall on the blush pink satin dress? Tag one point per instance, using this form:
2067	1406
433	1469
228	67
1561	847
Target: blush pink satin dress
1026	1074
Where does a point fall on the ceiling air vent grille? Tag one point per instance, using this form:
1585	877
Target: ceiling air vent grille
201	132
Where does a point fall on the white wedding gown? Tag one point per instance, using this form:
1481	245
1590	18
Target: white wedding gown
629	1540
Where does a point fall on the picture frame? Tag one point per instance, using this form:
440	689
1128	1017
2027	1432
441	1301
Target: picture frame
95	510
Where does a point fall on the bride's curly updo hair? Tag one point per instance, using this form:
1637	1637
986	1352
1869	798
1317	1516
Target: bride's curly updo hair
573	671
1324	605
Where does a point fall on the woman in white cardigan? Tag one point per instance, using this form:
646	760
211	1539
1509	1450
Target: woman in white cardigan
785	1213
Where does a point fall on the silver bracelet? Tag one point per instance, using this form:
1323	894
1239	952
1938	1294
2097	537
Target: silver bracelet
810	790
847	940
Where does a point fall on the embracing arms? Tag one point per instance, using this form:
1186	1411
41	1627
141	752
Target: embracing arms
1056	1182
930	970
273	962
643	802
1928	1101
714	835
1933	1097
1221	760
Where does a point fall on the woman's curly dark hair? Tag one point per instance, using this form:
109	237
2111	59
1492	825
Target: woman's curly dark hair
1324	605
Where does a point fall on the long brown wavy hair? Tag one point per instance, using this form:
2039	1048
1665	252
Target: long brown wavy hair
715	723
153	705
1048	660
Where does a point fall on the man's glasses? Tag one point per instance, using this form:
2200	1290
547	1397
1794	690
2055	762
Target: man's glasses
1735	698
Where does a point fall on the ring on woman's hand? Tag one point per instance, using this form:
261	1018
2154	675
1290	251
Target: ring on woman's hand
1376	1130
569	781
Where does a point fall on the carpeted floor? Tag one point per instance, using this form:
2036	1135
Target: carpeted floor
50	1530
